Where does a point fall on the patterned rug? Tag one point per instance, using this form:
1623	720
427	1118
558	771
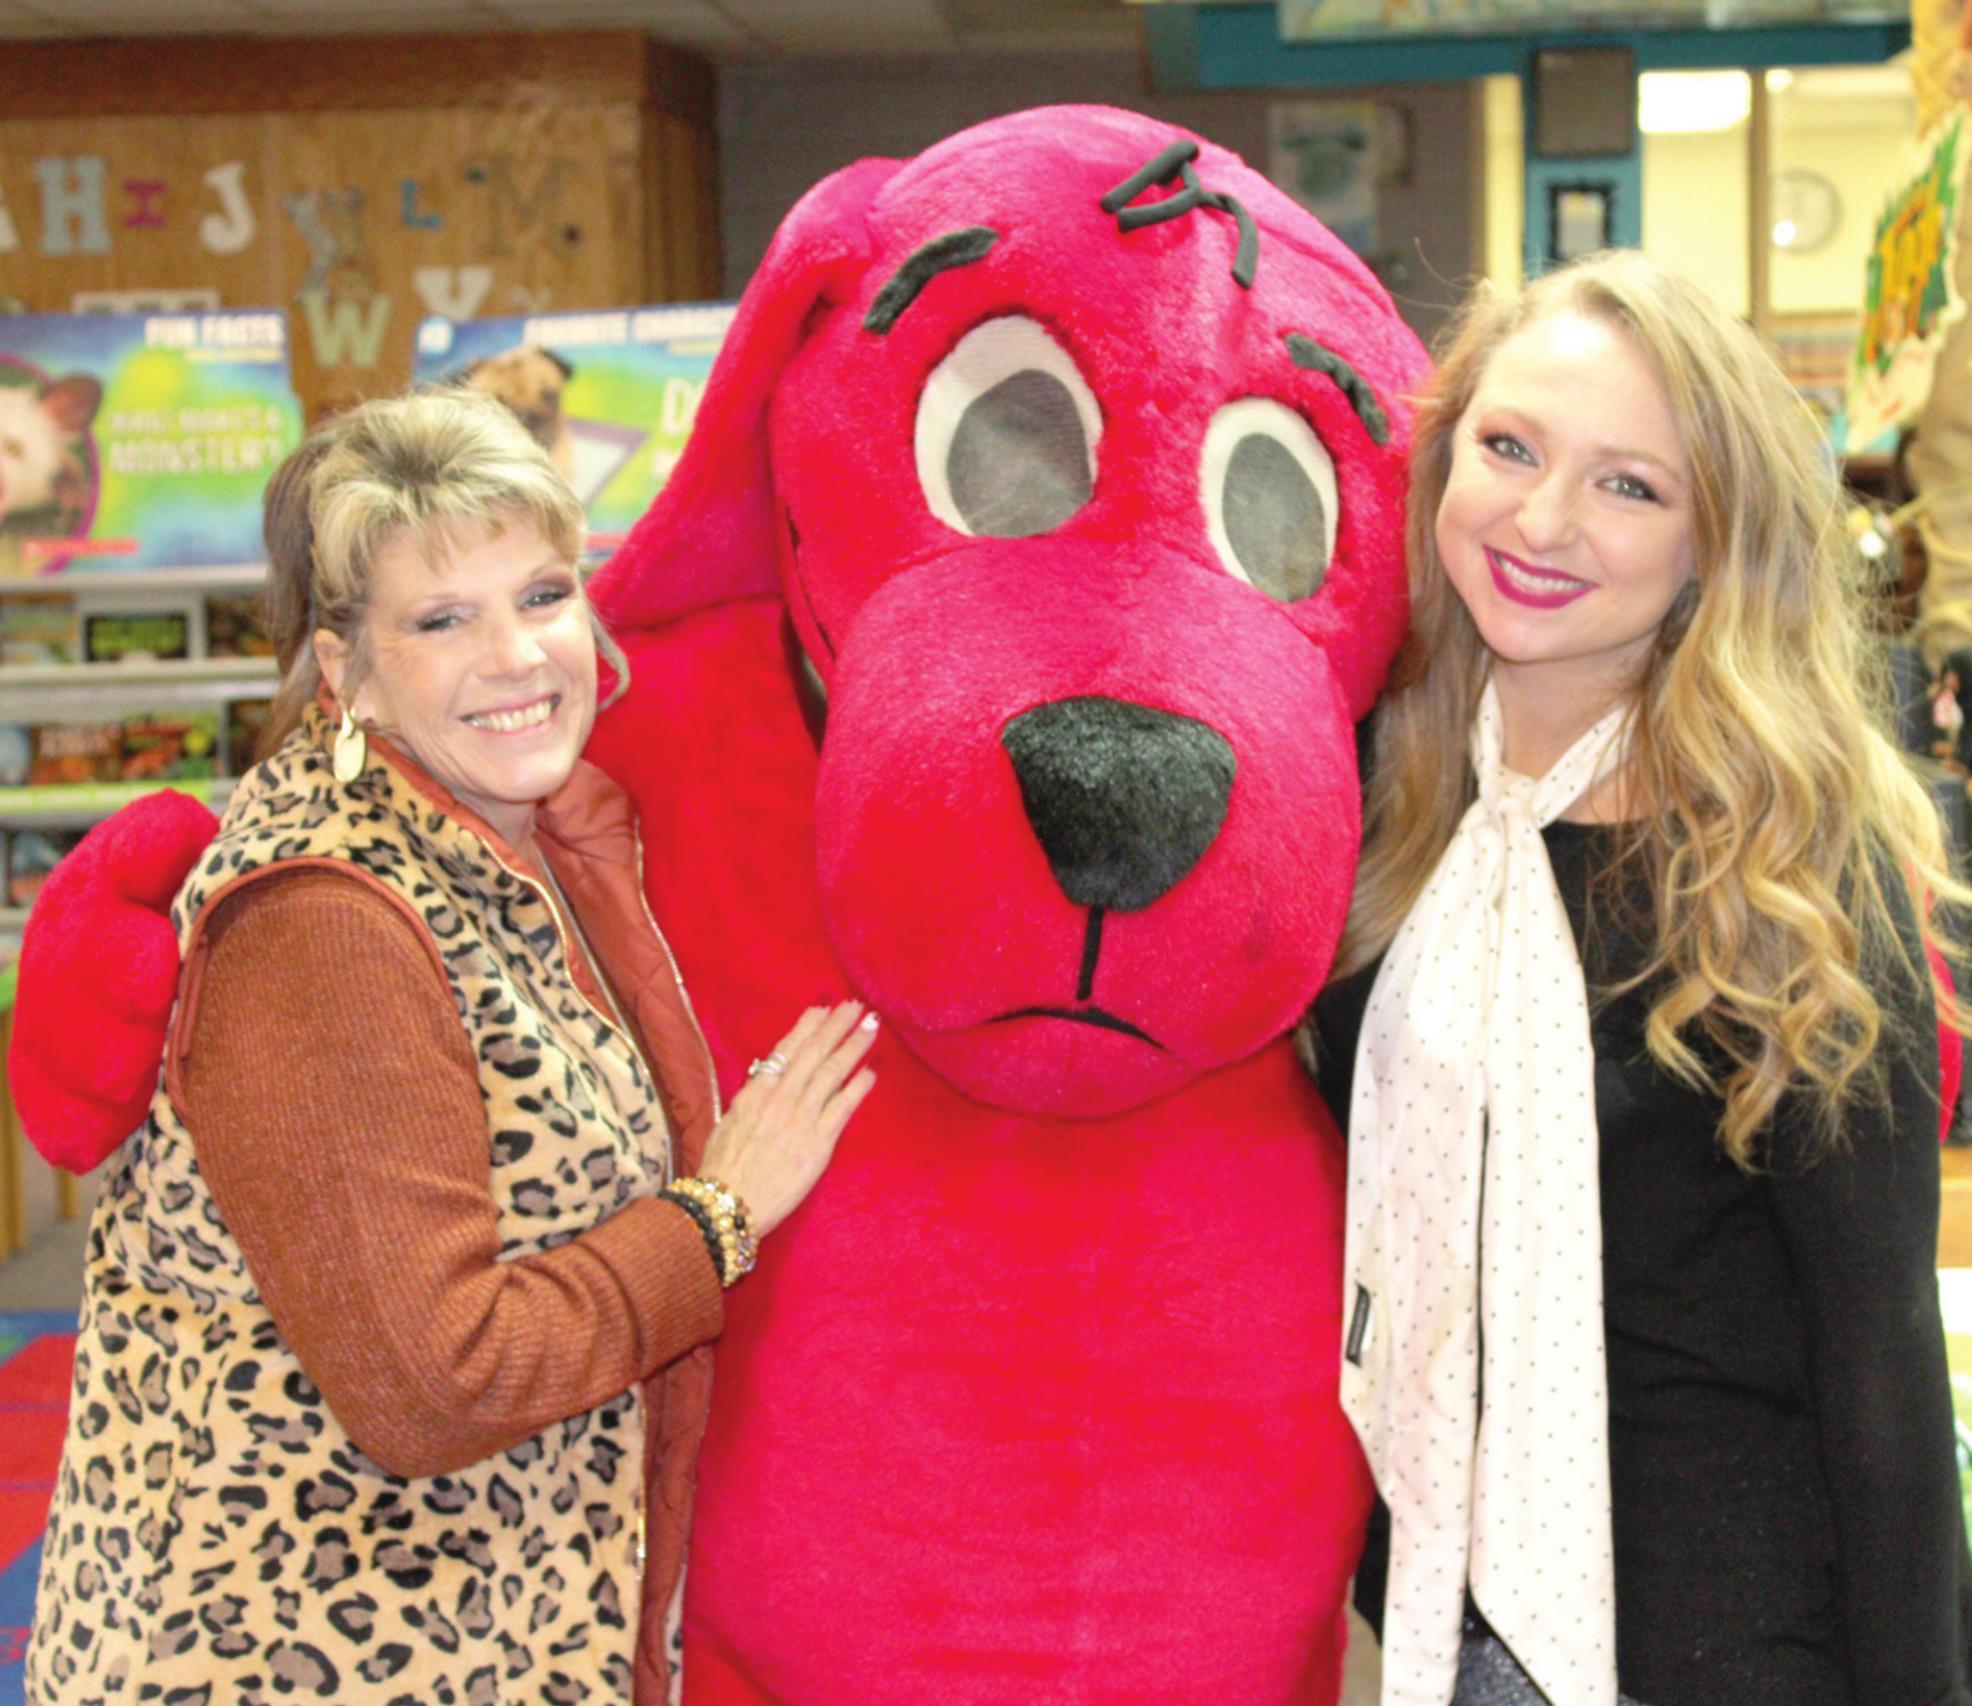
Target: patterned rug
35	1354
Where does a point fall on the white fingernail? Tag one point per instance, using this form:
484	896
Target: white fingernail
868	1021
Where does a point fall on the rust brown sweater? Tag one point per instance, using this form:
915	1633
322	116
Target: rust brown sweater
329	1088
335	1109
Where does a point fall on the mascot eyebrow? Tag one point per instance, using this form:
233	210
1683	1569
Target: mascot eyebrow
924	263
1319	358
1176	162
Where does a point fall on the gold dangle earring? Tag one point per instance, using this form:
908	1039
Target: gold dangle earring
351	751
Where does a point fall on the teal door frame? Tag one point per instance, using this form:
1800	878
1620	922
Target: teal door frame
1238	46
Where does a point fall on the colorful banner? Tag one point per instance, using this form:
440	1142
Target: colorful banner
136	441
611	395
1910	294
1313	20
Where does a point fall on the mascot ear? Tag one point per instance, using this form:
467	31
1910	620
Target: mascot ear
712	533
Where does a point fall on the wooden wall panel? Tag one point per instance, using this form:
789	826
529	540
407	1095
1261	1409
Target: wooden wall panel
176	75
519	196
140	236
524	210
681	167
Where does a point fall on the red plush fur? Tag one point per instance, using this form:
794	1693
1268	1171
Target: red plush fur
1035	1398
83	1062
1014	1408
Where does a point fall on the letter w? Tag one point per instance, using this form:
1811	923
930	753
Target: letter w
341	332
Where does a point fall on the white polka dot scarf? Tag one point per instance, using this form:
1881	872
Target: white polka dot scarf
1474	1203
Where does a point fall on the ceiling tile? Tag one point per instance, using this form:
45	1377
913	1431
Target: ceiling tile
146	14
683	23
638	11
370	17
828	27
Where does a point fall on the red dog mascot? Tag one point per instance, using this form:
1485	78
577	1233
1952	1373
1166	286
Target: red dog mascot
997	648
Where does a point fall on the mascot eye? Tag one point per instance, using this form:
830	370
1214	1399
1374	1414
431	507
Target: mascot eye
1270	498
1006	433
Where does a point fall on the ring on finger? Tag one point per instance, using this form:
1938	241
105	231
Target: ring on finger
773	1066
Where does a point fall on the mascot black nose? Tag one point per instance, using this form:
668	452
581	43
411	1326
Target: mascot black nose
1124	799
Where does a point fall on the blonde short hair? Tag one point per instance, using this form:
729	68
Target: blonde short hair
437	466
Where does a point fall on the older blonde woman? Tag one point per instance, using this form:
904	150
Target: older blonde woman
1637	1046
392	1355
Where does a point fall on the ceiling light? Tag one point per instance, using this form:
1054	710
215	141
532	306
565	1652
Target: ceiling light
1683	103
1779	78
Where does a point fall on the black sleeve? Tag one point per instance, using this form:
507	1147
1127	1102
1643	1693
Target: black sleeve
1860	1223
1334	1025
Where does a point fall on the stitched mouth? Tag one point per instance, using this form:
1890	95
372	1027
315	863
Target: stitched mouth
1100	1017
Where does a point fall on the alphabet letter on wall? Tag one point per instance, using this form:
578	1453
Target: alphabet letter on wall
72	215
331	224
412	217
145	194
454	292
515	211
343	333
229	230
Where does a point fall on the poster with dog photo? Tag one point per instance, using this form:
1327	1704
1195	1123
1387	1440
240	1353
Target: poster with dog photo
610	395
136	441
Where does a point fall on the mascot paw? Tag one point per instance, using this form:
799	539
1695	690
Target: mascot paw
98	978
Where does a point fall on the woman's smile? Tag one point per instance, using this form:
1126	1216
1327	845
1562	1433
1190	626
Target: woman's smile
1543	589
517	720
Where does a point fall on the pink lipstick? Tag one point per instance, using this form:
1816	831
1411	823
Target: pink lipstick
1539	589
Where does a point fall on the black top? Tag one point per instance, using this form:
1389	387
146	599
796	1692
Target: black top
1788	1528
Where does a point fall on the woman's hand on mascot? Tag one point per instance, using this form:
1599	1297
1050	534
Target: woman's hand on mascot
781	1129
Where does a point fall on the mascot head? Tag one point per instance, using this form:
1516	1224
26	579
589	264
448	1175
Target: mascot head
1076	451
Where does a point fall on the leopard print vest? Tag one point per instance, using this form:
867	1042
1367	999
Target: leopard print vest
215	1536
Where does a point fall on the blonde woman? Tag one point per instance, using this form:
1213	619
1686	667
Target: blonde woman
1636	1042
394	1340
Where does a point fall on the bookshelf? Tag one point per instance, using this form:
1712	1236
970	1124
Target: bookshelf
113	685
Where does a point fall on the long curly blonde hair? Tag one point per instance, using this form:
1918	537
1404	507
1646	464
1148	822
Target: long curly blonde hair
1769	806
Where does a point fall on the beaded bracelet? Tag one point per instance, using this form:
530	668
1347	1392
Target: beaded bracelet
730	1224
702	1219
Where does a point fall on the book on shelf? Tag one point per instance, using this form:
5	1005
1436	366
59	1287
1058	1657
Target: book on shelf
136	636
39	628
69	754
173	746
236	626
30	855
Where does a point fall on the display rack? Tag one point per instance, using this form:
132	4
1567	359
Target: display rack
40	694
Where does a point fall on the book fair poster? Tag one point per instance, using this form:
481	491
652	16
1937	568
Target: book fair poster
610	395
139	441
1910	296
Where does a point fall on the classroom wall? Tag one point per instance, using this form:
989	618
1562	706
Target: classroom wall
784	125
359	183
1695	203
